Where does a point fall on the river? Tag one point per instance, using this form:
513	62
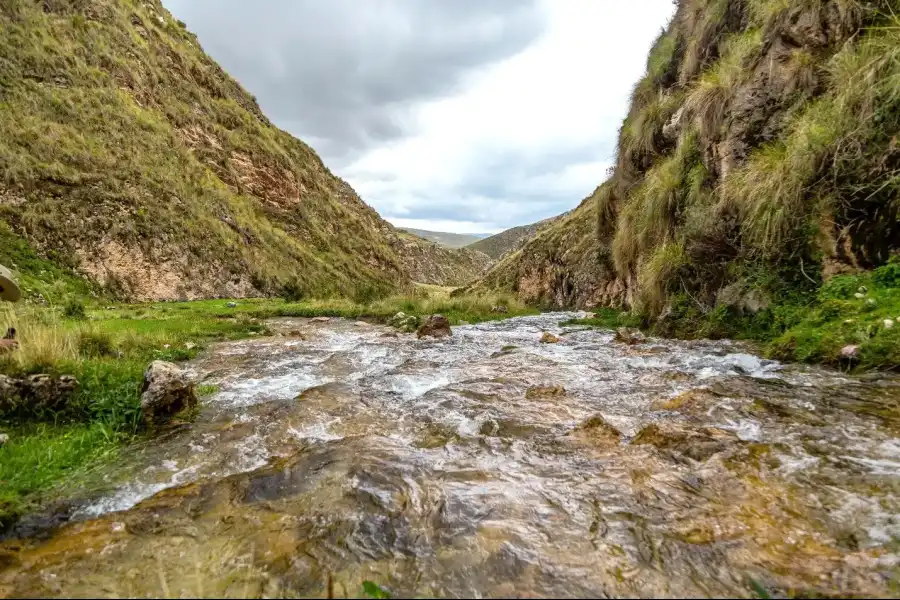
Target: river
490	464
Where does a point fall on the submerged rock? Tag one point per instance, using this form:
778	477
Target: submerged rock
549	338
545	391
320	319
437	326
630	335
598	431
697	444
167	390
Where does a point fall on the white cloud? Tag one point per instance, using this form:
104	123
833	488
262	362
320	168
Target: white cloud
569	90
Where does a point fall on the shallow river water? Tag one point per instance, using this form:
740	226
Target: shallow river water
492	465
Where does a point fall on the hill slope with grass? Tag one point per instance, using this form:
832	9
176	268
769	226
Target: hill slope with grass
505	242
128	157
757	171
444	238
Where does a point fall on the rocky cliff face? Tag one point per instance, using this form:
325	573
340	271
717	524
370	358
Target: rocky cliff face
128	155
760	151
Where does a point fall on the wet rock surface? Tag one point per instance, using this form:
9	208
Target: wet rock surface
444	468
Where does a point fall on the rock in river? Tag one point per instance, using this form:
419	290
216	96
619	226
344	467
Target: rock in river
549	338
435	326
630	335
167	391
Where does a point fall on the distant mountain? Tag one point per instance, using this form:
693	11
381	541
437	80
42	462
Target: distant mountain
507	241
450	240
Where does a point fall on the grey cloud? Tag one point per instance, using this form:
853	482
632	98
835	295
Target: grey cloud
344	74
499	188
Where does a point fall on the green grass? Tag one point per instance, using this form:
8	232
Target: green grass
108	348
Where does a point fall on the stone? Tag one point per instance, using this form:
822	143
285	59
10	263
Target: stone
859	295
231	304
4	439
320	319
743	298
850	352
630	335
189	345
499	309
167	390
361	324
888	323
295	333
545	391
404	322
36	392
396	319
437	326
870	301
549	338
863	289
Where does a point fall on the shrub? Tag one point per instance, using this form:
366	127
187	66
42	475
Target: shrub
74	309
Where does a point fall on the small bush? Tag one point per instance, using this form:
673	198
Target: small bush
95	344
74	309
888	275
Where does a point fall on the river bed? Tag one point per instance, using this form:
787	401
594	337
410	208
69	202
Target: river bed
490	464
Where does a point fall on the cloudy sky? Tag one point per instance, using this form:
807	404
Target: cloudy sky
450	115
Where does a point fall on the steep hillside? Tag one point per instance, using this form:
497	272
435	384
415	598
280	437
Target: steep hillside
429	262
759	157
511	239
130	157
450	240
560	266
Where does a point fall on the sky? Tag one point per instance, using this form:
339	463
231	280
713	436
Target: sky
469	116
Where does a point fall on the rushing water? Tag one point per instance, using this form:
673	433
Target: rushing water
477	466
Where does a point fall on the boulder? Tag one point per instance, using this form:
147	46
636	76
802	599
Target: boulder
4	439
630	335
437	326
549	338
231	304
167	390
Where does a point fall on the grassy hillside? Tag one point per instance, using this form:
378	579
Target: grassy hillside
128	156
559	267
507	241
759	161
433	263
450	240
